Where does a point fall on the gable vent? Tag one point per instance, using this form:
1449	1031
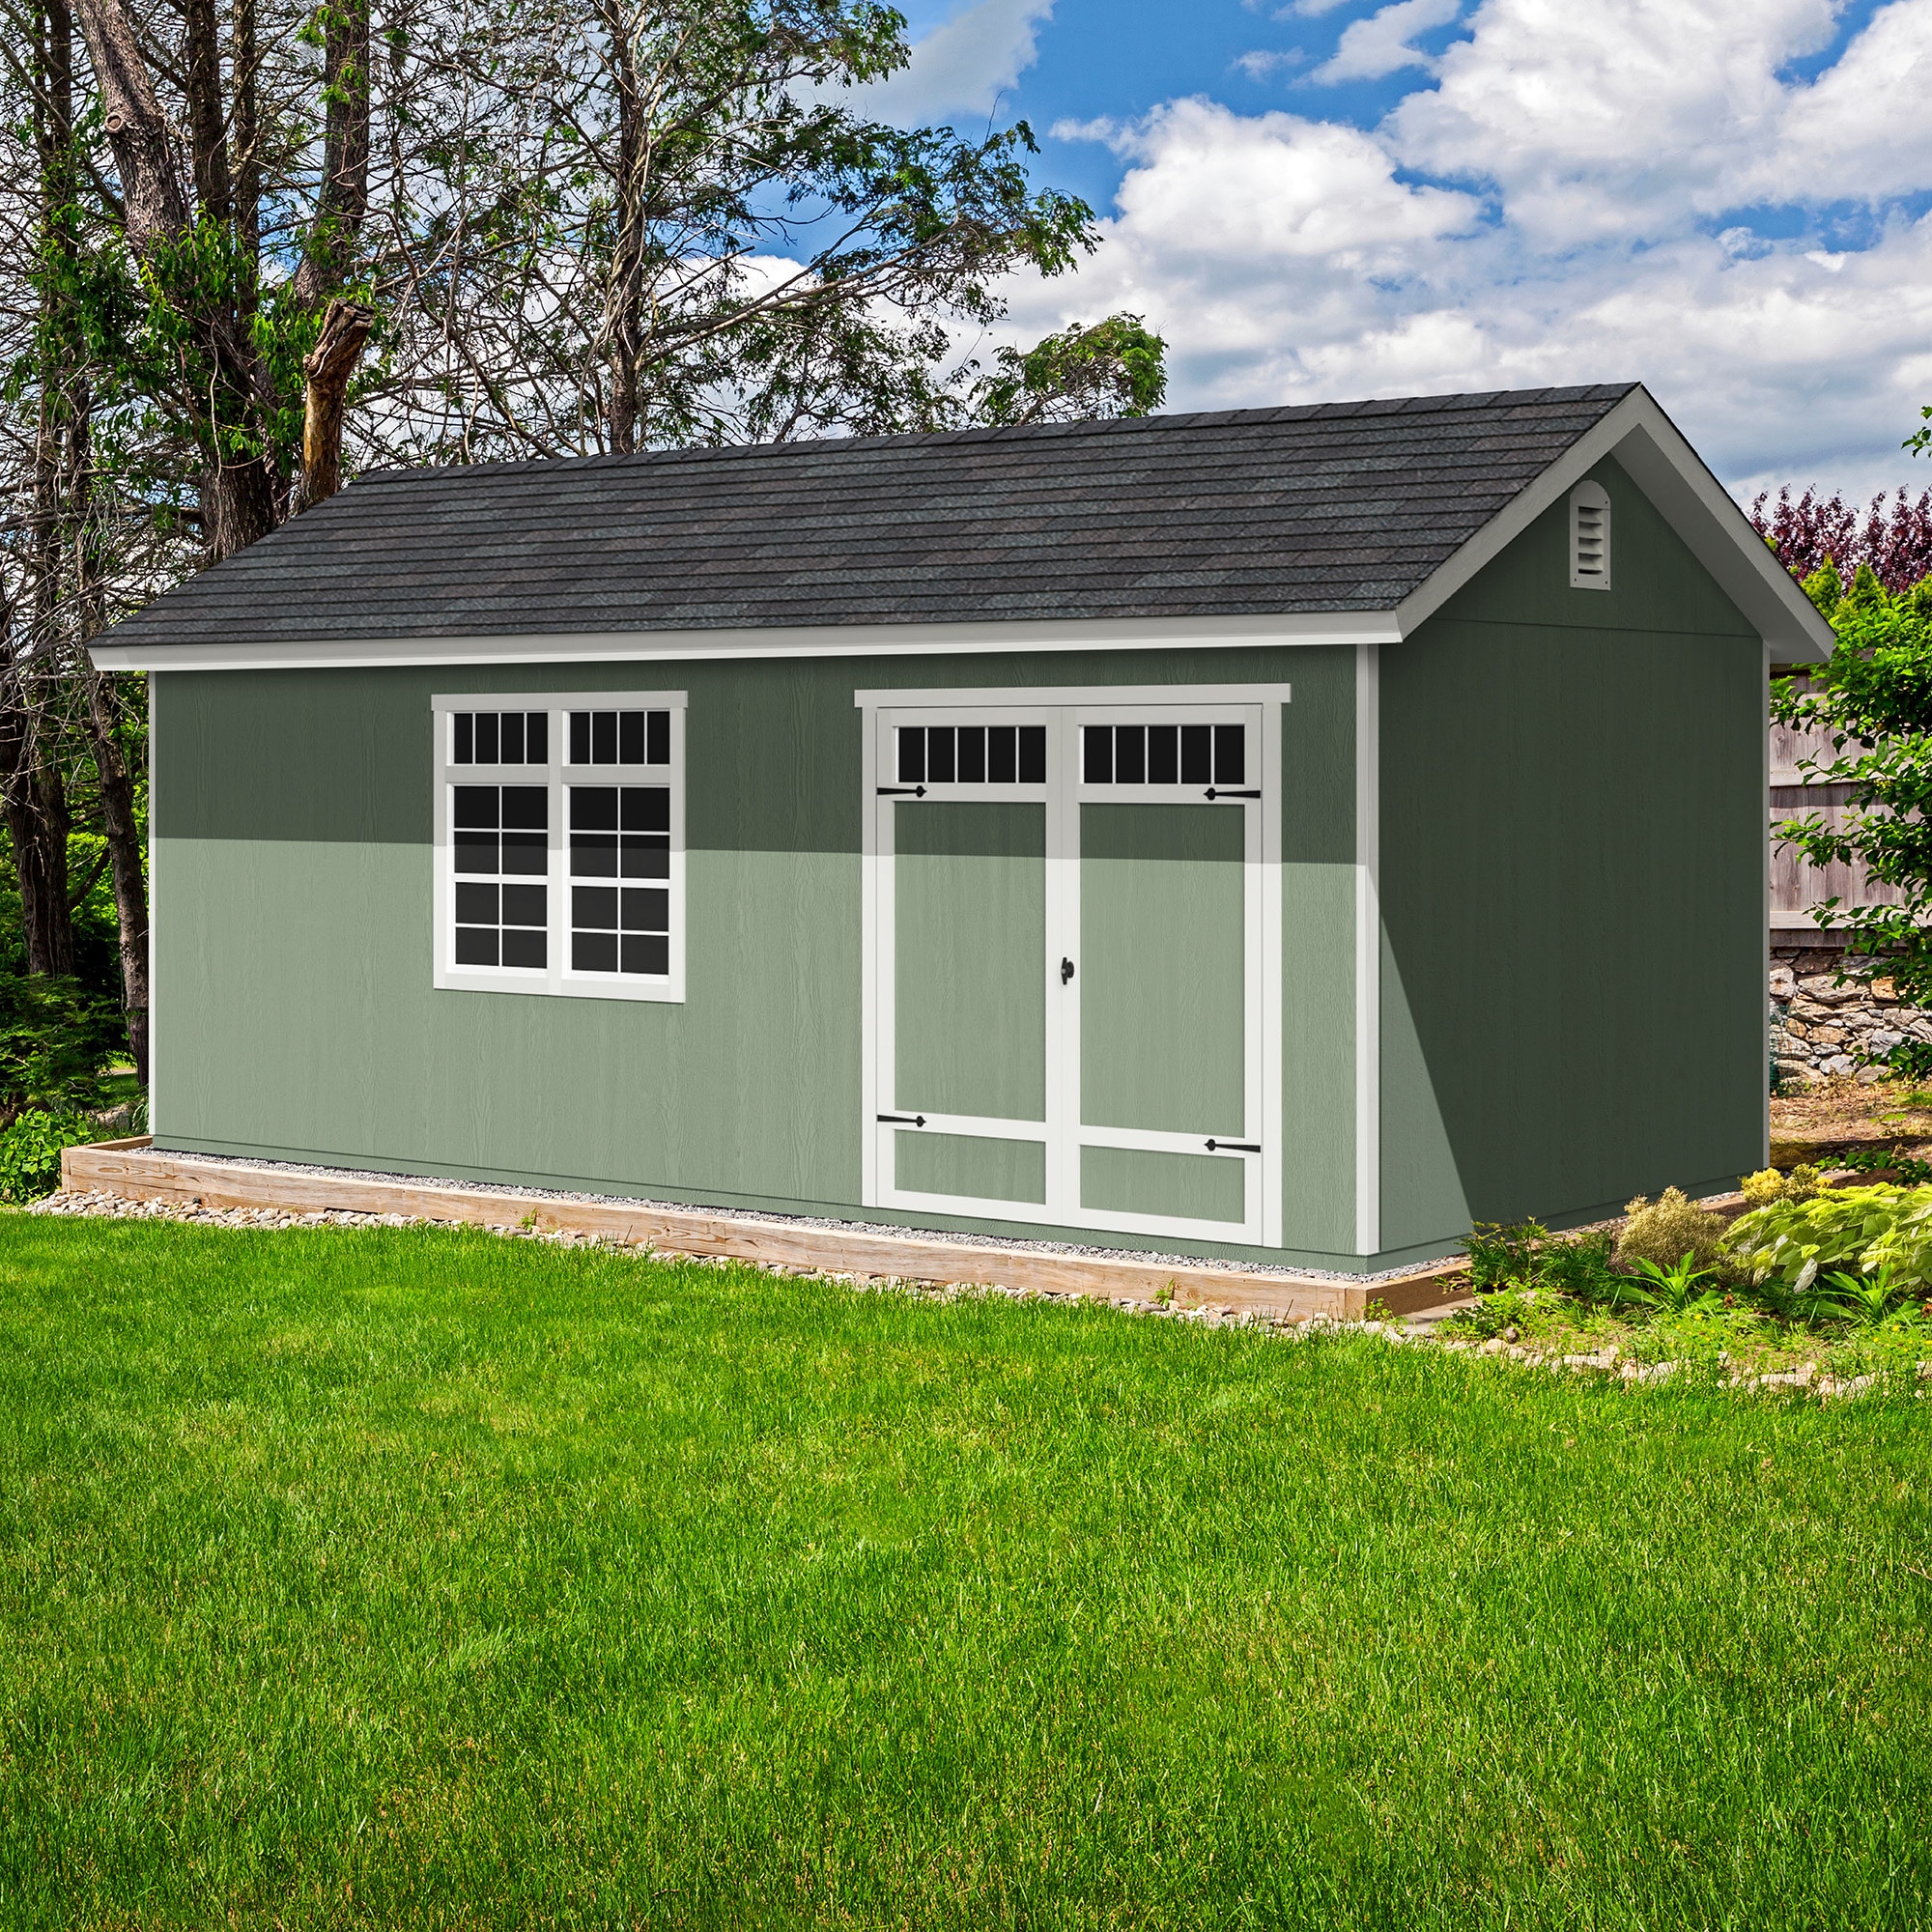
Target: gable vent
1589	537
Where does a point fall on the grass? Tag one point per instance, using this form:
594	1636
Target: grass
406	1579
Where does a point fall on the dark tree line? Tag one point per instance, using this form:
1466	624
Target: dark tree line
248	245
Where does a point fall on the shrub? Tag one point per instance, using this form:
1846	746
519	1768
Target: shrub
30	1151
1665	1230
1860	1230
55	1037
1503	1255
1799	1185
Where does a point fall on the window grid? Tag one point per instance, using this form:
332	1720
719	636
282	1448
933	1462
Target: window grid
559	884
971	753
1163	755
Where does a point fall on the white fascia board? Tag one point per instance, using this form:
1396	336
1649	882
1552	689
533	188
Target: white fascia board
1665	467
818	641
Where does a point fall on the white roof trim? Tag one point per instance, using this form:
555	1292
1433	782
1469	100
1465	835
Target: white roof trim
1636	431
822	640
1665	467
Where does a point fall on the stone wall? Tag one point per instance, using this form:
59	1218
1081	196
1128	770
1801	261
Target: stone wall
1819	1027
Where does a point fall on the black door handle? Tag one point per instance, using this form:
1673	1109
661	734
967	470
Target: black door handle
1066	971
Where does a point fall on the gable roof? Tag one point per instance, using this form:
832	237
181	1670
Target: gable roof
1336	511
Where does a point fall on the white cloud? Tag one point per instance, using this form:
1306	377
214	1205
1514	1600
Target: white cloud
1380	44
963	65
1262	63
1561	207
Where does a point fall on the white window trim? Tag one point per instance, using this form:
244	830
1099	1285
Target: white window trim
558	980
1076	706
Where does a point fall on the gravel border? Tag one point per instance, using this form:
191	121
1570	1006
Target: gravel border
1267	1270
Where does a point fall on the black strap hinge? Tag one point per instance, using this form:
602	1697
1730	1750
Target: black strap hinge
901	791
904	1119
1223	792
1232	1147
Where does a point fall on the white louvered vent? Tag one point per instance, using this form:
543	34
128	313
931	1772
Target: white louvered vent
1589	537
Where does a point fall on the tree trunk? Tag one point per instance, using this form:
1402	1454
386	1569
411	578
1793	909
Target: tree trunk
344	329
329	250
624	303
34	804
123	831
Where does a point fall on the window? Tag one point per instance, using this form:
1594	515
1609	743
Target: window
560	845
971	753
1589	537
1164	754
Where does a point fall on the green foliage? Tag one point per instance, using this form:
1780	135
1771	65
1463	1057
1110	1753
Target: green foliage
1910	1059
1116	368
1683	1288
1665	1230
30	1150
1873	702
1504	1254
1825	588
1908	1169
1770	1183
55	1037
1859	1230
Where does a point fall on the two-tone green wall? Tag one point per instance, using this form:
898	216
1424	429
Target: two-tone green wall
1570	877
293	942
1572	888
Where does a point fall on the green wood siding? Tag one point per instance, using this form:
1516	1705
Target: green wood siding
295	1013
1572	879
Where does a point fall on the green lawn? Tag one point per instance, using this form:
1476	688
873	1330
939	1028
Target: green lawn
407	1578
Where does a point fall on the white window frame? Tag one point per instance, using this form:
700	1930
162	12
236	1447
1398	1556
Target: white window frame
557	775
1063	711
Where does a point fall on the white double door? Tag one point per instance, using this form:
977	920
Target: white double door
1067	992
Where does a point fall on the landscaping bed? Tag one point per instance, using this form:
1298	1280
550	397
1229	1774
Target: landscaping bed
396	1576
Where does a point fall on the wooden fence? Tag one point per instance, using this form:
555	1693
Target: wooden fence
1795	886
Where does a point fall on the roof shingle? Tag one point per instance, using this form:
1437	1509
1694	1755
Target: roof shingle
1334	507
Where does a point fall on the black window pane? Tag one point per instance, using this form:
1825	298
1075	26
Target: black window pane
603	738
524	905
523	949
536	737
593	952
972	754
512	728
647	909
476	806
646	809
1097	743
476	946
476	852
1131	754
1197	744
1231	764
630	737
526	853
593	855
1163	763
939	766
643	953
1002	754
657	745
476	905
527	807
593	808
912	755
1033	755
580	737
466	738
594	905
646	856
486	738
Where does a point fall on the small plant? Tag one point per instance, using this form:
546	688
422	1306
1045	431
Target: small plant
1665	1230
1496	1313
1801	1183
1856	1229
1504	1254
1911	1170
1910	1059
1679	1289
1868	1301
30	1151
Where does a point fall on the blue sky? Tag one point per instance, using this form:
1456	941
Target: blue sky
1313	199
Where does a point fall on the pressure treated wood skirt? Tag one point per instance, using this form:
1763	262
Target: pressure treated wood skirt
131	1169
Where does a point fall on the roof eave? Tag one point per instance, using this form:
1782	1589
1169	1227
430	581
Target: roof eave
816	641
1663	465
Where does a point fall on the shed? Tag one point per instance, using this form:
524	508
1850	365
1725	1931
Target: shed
1284	835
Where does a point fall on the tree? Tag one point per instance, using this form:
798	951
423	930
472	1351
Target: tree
1817	531
1116	368
1873	700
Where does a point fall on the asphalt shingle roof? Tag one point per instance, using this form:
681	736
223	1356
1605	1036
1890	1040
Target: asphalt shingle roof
1335	507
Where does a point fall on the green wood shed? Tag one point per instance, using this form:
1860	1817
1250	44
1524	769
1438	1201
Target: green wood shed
1286	835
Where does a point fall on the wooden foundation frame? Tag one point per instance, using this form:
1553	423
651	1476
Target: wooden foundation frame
133	1170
